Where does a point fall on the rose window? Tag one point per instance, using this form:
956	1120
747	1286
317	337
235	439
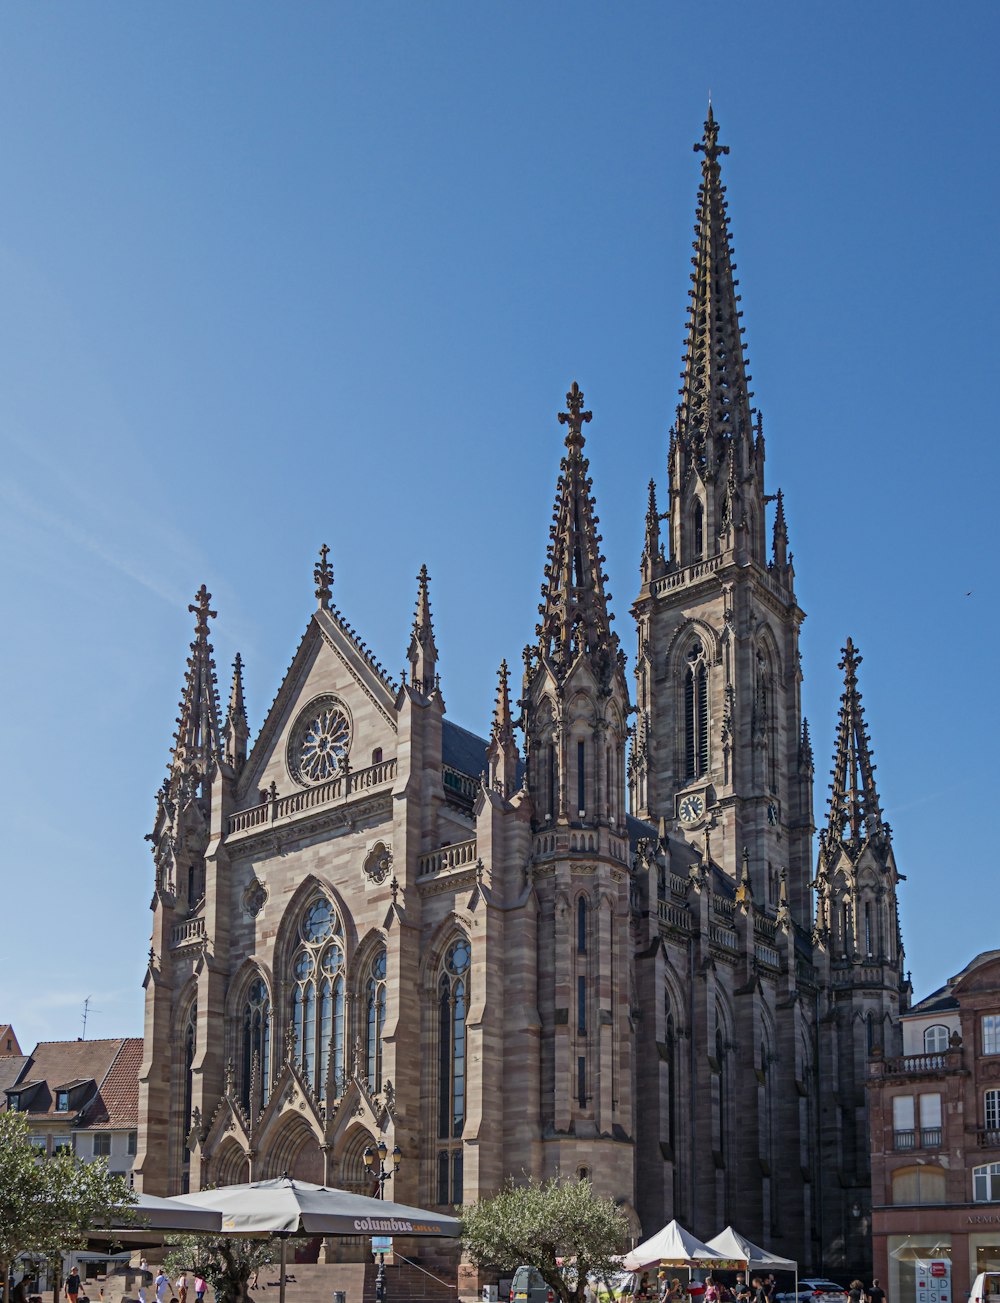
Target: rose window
319	742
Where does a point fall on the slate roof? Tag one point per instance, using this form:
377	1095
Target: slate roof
463	750
116	1105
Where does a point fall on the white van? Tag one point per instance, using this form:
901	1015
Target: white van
986	1288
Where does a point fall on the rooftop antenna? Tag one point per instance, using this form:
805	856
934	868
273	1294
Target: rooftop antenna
86	1014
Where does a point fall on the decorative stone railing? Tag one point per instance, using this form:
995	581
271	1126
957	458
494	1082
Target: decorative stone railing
459	787
988	1138
687	576
675	916
456	856
191	930
907	1065
342	787
722	936
724	907
765	927
766	955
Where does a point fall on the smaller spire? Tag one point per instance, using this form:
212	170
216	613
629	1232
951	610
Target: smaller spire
780	542
323	576
236	730
503	725
502	754
783	913
805	748
196	742
855	816
652	551
744	892
422	653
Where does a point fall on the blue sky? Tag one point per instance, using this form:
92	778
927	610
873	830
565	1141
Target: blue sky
278	275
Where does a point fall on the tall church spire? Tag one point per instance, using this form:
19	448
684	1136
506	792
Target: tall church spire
501	754
574	613
716	473
855	816
197	740
423	653
715	402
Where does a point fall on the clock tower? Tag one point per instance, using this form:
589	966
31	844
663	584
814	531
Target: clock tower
720	749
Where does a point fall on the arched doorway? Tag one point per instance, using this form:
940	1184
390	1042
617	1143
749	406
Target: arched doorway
231	1165
350	1173
296	1153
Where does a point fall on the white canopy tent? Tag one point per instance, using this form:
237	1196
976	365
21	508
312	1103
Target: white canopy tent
731	1244
673	1246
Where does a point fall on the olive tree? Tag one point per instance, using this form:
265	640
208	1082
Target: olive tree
544	1224
226	1261
47	1205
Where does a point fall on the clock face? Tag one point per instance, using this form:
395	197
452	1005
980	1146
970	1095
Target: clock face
691	809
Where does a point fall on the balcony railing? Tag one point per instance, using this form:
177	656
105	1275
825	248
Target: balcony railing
353	783
988	1138
924	1138
911	1065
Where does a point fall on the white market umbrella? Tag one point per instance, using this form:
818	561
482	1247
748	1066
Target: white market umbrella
285	1207
673	1246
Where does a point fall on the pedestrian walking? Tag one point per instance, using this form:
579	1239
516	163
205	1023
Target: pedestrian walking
72	1288
856	1293
200	1286
161	1286
181	1286
876	1294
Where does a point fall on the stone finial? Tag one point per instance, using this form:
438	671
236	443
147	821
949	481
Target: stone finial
197	742
323	576
744	892
574	416
709	143
236	730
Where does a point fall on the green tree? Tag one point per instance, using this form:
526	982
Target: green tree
539	1223
48	1205
227	1262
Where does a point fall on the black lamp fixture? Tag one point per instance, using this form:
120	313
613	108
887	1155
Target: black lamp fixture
381	1152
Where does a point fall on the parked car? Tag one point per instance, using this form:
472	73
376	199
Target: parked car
985	1288
822	1291
529	1287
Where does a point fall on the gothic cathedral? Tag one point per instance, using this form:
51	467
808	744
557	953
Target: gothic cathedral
606	953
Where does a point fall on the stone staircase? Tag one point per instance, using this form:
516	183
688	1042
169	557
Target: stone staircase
316	1282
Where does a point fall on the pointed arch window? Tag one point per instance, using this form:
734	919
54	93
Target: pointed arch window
256	1057
375	1018
699	531
453	1005
318	999
696	713
189	1048
581	925
720	1058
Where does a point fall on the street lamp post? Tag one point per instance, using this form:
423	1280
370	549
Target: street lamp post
381	1152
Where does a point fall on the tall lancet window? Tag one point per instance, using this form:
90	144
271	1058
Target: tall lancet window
696	713
699	531
256	1056
190	1045
453	1005
375	1018
318	999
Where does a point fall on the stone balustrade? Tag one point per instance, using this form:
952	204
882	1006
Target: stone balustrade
183	934
343	787
456	856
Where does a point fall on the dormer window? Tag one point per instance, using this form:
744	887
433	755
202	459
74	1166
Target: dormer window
62	1101
14	1103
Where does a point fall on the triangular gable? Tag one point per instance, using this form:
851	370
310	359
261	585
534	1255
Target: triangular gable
329	657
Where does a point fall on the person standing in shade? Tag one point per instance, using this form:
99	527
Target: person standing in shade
856	1294
876	1294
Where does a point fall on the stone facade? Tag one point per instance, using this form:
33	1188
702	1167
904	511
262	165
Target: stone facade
599	957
